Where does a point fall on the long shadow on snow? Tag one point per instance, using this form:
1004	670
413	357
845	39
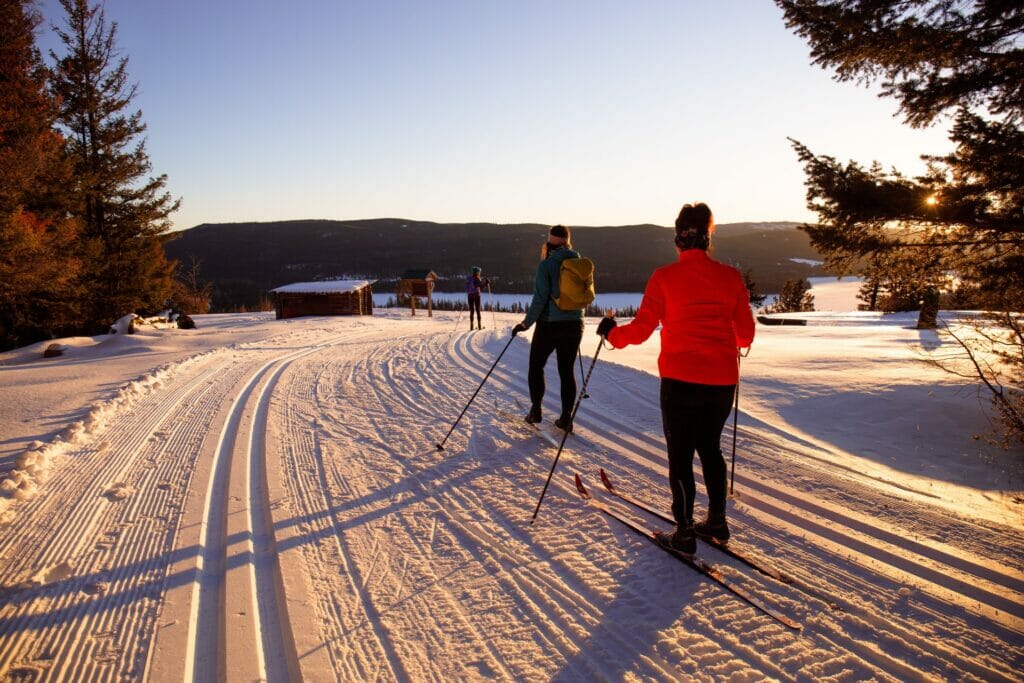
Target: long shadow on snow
85	583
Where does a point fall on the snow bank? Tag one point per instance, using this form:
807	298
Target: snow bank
33	466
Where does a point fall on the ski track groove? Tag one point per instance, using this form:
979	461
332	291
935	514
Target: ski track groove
206	647
122	527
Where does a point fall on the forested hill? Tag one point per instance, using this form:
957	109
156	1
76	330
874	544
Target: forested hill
244	260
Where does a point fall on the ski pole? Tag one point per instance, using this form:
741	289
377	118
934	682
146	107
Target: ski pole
565	436
458	319
579	354
735	417
440	445
490	298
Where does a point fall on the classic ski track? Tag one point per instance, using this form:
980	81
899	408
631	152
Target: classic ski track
125	582
275	641
129	538
204	658
801	522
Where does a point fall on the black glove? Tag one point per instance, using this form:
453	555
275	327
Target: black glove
518	328
605	326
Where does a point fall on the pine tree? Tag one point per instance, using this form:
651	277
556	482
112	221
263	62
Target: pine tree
965	216
37	265
795	297
124	213
935	57
898	280
757	299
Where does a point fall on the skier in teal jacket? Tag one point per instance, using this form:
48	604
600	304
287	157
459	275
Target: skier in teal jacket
557	330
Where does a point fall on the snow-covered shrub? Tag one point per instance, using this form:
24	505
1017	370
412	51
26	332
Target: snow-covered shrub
125	324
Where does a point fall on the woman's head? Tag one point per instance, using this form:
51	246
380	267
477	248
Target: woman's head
558	236
694	227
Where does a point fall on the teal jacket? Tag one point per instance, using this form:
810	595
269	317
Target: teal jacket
545	290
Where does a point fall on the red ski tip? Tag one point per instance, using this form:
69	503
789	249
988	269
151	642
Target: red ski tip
581	488
606	481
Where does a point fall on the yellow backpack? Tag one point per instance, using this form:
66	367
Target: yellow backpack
575	284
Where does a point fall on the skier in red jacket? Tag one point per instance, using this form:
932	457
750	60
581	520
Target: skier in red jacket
703	308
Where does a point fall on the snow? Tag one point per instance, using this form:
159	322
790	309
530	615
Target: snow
326	287
835	295
264	499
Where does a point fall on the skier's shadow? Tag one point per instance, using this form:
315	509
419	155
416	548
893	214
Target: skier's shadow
654	592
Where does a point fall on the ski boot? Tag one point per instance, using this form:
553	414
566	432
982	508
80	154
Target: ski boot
714	528
564	423
682	540
533	417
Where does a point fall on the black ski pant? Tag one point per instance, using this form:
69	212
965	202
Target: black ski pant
563	337
474	305
693	416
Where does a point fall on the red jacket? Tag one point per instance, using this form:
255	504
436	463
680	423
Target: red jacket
704	311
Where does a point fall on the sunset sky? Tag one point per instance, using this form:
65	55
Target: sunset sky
580	112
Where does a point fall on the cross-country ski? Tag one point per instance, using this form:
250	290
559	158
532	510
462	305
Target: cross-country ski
694	562
730	550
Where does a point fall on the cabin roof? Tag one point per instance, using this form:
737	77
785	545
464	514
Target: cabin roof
326	287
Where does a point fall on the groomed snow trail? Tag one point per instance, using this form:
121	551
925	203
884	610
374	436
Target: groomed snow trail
278	511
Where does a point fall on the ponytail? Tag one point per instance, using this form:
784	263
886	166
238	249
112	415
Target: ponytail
694	227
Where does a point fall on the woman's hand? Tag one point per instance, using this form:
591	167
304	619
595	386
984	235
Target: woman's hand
606	325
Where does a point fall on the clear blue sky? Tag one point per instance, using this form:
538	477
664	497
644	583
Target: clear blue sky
552	111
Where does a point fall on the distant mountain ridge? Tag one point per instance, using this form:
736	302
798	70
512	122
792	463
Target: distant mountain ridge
245	260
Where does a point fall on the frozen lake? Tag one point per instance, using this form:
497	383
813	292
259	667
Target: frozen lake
829	295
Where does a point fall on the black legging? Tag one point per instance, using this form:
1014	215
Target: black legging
474	305
562	337
693	416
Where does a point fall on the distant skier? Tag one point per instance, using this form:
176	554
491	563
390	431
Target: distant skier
558	330
704	310
474	286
